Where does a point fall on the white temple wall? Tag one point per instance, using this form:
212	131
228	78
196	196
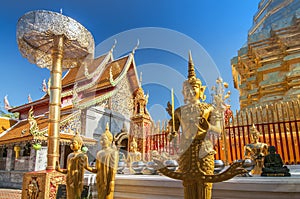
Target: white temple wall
96	120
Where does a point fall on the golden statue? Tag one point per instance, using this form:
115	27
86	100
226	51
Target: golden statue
77	161
256	151
33	189
106	166
196	160
134	155
33	127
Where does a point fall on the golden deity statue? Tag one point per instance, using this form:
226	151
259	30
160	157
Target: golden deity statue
196	160
106	166
134	155
33	190
77	162
256	151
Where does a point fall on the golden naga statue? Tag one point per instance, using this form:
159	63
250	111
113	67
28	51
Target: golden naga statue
77	162
106	166
196	160
256	151
33	127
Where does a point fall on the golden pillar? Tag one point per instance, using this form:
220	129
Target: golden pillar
55	101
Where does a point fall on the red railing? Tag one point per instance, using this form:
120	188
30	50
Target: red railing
278	124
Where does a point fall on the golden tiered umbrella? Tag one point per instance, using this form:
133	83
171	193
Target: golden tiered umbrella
57	42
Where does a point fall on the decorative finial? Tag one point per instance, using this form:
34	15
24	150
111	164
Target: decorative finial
44	86
141	78
6	103
113	47
29	98
137	45
191	69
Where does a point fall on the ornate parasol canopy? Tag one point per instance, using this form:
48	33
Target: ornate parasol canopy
36	31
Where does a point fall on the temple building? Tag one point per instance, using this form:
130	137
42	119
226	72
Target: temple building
267	67
102	91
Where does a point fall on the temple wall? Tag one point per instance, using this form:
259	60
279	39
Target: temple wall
96	120
11	179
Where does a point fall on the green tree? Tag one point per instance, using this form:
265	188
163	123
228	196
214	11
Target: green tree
7	114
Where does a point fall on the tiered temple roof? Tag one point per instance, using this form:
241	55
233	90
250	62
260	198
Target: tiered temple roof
82	87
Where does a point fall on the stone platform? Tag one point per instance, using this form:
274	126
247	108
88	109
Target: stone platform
256	187
153	187
160	187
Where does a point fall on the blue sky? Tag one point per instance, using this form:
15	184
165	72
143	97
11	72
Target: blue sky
218	27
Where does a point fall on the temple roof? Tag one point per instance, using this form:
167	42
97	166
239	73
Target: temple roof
106	84
78	73
20	132
85	86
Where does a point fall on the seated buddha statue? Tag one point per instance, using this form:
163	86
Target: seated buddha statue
134	155
273	164
256	151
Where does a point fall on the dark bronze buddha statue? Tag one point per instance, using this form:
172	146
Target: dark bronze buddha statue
273	164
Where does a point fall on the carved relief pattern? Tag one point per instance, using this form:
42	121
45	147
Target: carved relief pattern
71	123
55	180
35	32
122	101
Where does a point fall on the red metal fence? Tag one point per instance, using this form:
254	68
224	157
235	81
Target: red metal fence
279	125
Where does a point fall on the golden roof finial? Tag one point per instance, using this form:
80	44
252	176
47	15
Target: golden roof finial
137	45
114	45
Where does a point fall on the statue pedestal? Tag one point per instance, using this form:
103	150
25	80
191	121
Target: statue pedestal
41	184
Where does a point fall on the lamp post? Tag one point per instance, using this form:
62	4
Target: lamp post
54	41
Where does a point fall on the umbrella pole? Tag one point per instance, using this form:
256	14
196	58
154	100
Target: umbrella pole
55	102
